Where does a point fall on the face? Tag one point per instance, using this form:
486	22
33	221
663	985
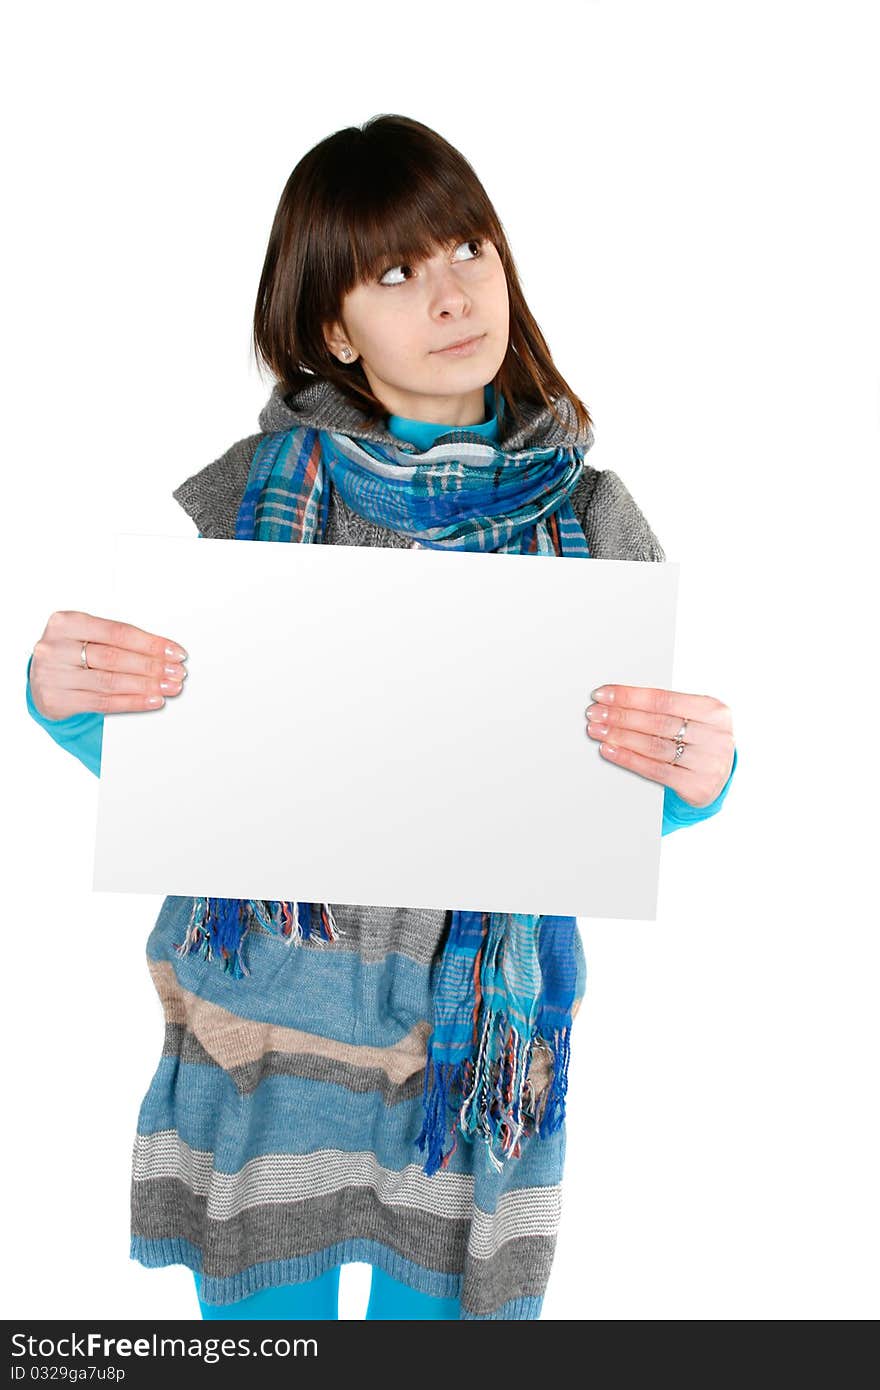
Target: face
399	323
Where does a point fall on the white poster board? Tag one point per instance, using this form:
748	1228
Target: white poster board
393	727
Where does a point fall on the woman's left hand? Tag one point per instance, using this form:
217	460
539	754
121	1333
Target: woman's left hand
640	727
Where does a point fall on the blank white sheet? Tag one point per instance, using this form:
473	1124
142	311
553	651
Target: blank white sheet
393	727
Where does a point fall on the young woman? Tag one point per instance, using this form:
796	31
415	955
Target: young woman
348	1082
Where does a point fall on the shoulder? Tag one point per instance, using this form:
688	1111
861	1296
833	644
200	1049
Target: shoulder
212	496
613	524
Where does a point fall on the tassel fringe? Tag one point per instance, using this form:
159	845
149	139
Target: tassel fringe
495	1099
218	927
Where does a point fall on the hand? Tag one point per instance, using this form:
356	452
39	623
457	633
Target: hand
128	669
638	727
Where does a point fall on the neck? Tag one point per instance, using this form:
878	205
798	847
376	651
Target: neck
455	411
423	433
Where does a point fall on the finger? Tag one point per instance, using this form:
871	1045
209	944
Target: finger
77	690
77	701
641	721
121	660
704	709
86	627
698	786
680	780
131	672
104	682
706	758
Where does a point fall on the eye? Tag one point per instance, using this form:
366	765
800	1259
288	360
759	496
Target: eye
474	242
391	269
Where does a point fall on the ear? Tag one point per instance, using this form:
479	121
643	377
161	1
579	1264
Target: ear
337	340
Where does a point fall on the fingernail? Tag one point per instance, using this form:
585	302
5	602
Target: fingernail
608	748
602	695
176	653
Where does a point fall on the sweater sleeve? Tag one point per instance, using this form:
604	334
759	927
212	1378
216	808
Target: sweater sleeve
212	496
678	812
613	524
80	734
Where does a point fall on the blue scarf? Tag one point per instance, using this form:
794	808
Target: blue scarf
505	984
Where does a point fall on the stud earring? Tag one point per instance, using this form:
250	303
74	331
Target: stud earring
346	352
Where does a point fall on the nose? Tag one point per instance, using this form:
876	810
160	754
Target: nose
446	293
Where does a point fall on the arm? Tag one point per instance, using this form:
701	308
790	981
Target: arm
615	528
81	734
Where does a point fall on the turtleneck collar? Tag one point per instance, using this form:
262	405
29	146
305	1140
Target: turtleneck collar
321	405
422	433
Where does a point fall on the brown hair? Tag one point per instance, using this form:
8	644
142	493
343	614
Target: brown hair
388	192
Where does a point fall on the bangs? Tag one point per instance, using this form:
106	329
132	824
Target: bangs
403	219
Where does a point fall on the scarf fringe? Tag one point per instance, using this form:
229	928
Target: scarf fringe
218	927
495	1099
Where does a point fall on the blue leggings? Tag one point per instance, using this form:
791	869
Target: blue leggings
317	1300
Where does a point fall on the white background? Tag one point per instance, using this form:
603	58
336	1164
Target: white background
689	193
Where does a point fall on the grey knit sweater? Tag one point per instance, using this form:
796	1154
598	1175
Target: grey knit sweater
305	1127
614	526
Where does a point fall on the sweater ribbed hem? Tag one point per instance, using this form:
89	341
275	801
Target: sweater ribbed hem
174	1250
515	1308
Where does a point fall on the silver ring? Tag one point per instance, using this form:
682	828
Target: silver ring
679	744
83	658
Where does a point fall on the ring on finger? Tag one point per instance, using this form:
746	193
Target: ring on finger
680	745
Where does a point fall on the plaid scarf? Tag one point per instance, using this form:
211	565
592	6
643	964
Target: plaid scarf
504	986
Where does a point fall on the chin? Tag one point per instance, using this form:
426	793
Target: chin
469	372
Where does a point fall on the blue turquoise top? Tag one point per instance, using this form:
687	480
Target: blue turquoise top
82	734
422	433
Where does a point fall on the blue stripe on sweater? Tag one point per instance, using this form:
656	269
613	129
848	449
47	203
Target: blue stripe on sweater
299	986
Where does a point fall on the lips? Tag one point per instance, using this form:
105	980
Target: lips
460	342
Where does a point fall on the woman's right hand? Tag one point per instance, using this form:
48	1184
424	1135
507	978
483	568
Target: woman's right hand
128	669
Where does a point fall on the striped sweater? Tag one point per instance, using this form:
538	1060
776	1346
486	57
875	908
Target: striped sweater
276	1139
